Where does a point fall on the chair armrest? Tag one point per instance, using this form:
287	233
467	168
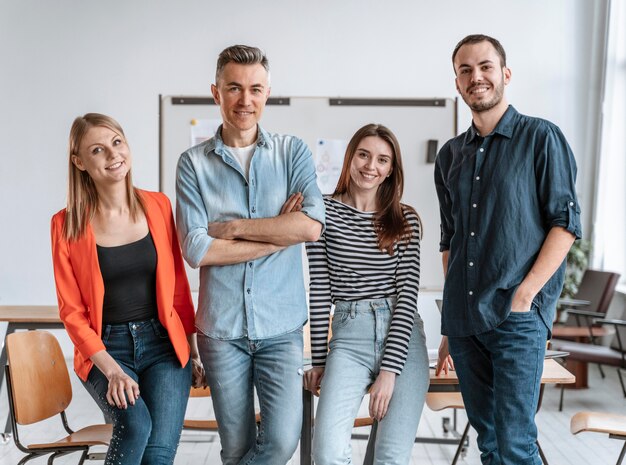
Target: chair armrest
573	302
611	322
586	313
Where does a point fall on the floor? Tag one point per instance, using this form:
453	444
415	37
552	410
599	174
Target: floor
560	447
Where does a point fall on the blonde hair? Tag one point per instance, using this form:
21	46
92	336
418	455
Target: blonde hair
82	196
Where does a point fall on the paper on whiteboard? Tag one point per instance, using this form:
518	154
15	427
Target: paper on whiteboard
203	129
328	161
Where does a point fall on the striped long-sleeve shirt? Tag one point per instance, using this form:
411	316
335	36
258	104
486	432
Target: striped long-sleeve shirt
346	264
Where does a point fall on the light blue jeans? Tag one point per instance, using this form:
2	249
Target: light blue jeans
356	349
234	369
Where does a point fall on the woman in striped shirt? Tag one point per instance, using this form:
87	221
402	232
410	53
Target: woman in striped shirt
367	264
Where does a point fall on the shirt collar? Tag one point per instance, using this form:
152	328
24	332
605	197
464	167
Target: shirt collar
504	126
216	143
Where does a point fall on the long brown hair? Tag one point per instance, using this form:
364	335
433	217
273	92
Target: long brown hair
389	221
82	196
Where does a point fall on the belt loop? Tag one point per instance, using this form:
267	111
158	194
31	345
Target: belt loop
353	309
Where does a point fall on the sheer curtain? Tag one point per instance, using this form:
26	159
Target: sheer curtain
609	238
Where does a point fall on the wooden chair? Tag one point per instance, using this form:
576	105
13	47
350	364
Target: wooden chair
611	424
39	388
437	401
613	355
597	288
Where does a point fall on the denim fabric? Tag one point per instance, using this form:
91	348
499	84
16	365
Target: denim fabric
499	195
356	350
235	368
500	374
261	298
148	432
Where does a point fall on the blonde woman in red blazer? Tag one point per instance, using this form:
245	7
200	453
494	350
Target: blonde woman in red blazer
124	297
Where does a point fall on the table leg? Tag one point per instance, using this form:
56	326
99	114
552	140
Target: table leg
579	369
306	434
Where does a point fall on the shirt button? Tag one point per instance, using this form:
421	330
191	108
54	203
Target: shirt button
474	205
471	263
571	204
482	149
471	292
477	178
250	264
253	209
472	234
248	290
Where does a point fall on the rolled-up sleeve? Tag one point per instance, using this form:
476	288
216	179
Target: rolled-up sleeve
445	203
555	167
191	216
304	180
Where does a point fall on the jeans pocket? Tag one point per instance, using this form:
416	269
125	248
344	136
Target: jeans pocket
159	329
340	320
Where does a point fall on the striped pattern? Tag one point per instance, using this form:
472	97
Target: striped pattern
346	264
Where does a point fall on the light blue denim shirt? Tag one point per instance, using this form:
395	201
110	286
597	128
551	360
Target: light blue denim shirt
262	298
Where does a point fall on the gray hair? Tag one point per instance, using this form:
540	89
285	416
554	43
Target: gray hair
243	55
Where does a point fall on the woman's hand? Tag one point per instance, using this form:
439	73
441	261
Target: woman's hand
292	204
121	388
198	378
312	379
444	360
380	394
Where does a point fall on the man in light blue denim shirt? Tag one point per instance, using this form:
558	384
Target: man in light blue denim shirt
244	199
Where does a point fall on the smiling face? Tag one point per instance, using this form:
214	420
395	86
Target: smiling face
104	154
241	92
480	77
371	164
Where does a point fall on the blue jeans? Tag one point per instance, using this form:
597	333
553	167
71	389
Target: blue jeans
234	368
356	350
500	374
148	432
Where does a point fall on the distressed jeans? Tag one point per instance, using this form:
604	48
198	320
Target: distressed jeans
356	349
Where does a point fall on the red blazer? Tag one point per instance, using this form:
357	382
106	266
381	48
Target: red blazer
80	289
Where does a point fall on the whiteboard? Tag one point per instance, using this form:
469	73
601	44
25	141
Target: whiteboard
415	122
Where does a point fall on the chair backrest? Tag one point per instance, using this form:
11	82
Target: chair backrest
200	392
597	287
40	383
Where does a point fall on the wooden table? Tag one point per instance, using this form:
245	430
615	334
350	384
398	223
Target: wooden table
553	373
579	334
25	317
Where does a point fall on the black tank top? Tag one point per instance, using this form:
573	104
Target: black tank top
129	275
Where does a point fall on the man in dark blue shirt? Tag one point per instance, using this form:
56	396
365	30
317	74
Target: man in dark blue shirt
509	215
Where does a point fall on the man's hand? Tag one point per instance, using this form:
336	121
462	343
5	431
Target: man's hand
230	229
313	379
380	394
444	361
522	301
293	203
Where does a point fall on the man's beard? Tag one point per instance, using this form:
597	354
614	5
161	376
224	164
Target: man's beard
485	105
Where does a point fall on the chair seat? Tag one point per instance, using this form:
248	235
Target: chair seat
589	353
442	400
599	422
95	435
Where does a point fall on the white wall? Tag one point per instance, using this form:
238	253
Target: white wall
64	58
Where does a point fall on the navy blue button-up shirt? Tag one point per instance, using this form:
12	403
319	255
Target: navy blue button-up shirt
261	298
499	196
